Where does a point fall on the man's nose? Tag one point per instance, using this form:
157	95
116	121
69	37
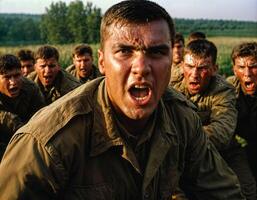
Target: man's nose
141	64
247	71
13	80
25	70
194	72
47	69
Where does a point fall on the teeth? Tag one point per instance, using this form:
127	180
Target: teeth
248	84
140	86
140	98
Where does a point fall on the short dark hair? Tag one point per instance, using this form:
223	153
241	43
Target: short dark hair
26	54
244	50
134	11
196	36
202	49
9	62
179	37
82	49
46	52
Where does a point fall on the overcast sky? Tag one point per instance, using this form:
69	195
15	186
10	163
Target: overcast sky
204	9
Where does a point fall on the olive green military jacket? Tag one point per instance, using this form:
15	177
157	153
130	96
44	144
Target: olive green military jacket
176	73
16	111
216	108
247	113
79	154
64	83
95	73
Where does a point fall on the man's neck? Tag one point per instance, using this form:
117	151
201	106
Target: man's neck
134	127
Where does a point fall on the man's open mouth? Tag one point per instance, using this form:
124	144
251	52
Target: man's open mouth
14	91
194	84
140	93
249	85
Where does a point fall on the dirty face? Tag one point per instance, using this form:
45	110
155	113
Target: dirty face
27	66
136	61
47	70
11	83
178	50
197	73
83	65
245	69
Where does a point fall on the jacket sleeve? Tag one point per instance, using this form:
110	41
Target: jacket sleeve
223	119
206	174
30	176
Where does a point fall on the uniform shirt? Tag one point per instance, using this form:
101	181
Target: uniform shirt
63	83
81	153
216	108
176	73
95	73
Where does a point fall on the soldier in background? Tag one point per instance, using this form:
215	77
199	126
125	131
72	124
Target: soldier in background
215	100
20	98
27	60
197	35
53	81
178	53
244	58
124	136
83	67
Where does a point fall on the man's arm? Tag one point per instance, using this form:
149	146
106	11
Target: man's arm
223	118
206	174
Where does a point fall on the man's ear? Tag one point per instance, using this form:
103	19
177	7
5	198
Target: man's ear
101	61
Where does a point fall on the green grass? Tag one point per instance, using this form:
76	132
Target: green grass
224	45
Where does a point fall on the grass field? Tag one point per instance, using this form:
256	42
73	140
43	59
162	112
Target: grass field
224	45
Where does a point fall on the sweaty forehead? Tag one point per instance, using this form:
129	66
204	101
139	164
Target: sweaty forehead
193	59
245	60
156	32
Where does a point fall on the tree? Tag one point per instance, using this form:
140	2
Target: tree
94	17
54	24
77	21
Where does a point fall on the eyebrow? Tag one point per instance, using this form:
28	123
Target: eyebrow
150	48
253	64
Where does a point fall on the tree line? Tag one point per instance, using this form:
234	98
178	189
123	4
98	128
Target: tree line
60	24
77	22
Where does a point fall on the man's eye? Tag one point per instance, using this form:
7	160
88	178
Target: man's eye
253	67
125	51
51	66
6	77
203	68
157	52
240	67
189	66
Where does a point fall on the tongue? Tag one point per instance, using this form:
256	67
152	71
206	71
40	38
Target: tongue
139	92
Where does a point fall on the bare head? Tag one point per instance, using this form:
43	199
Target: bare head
133	12
244	58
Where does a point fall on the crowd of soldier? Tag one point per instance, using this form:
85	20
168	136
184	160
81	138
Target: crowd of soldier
227	108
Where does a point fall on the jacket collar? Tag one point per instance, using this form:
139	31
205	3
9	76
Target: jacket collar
106	135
